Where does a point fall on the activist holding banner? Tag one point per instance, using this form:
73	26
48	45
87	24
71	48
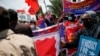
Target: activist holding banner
12	44
91	28
72	25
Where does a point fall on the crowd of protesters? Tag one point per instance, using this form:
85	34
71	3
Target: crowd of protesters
15	37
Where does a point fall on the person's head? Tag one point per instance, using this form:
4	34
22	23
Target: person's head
89	18
71	17
32	22
13	16
4	19
53	18
78	17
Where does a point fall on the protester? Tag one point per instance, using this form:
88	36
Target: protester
72	26
19	28
91	28
33	25
46	21
12	44
51	21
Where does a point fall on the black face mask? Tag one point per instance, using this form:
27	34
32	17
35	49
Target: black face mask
87	24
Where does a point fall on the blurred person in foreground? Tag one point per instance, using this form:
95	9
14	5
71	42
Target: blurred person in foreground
18	28
91	28
12	44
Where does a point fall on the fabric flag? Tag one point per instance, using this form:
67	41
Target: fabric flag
47	44
62	32
46	30
34	6
71	28
41	22
53	28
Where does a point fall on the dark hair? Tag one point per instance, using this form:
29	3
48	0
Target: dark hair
53	16
4	19
73	17
98	13
78	17
32	22
13	15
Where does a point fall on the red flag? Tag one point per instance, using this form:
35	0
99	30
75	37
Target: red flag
71	28
34	6
49	48
47	44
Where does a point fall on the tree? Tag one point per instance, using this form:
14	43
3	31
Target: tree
56	6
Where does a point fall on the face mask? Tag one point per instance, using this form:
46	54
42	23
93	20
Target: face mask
87	24
70	18
32	26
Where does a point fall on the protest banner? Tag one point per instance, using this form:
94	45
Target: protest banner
79	7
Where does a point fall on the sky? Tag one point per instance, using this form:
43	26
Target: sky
20	4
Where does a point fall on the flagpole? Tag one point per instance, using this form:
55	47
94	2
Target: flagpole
45	6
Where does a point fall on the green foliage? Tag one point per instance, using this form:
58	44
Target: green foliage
56	6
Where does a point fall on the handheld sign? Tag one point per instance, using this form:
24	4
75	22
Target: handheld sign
88	46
